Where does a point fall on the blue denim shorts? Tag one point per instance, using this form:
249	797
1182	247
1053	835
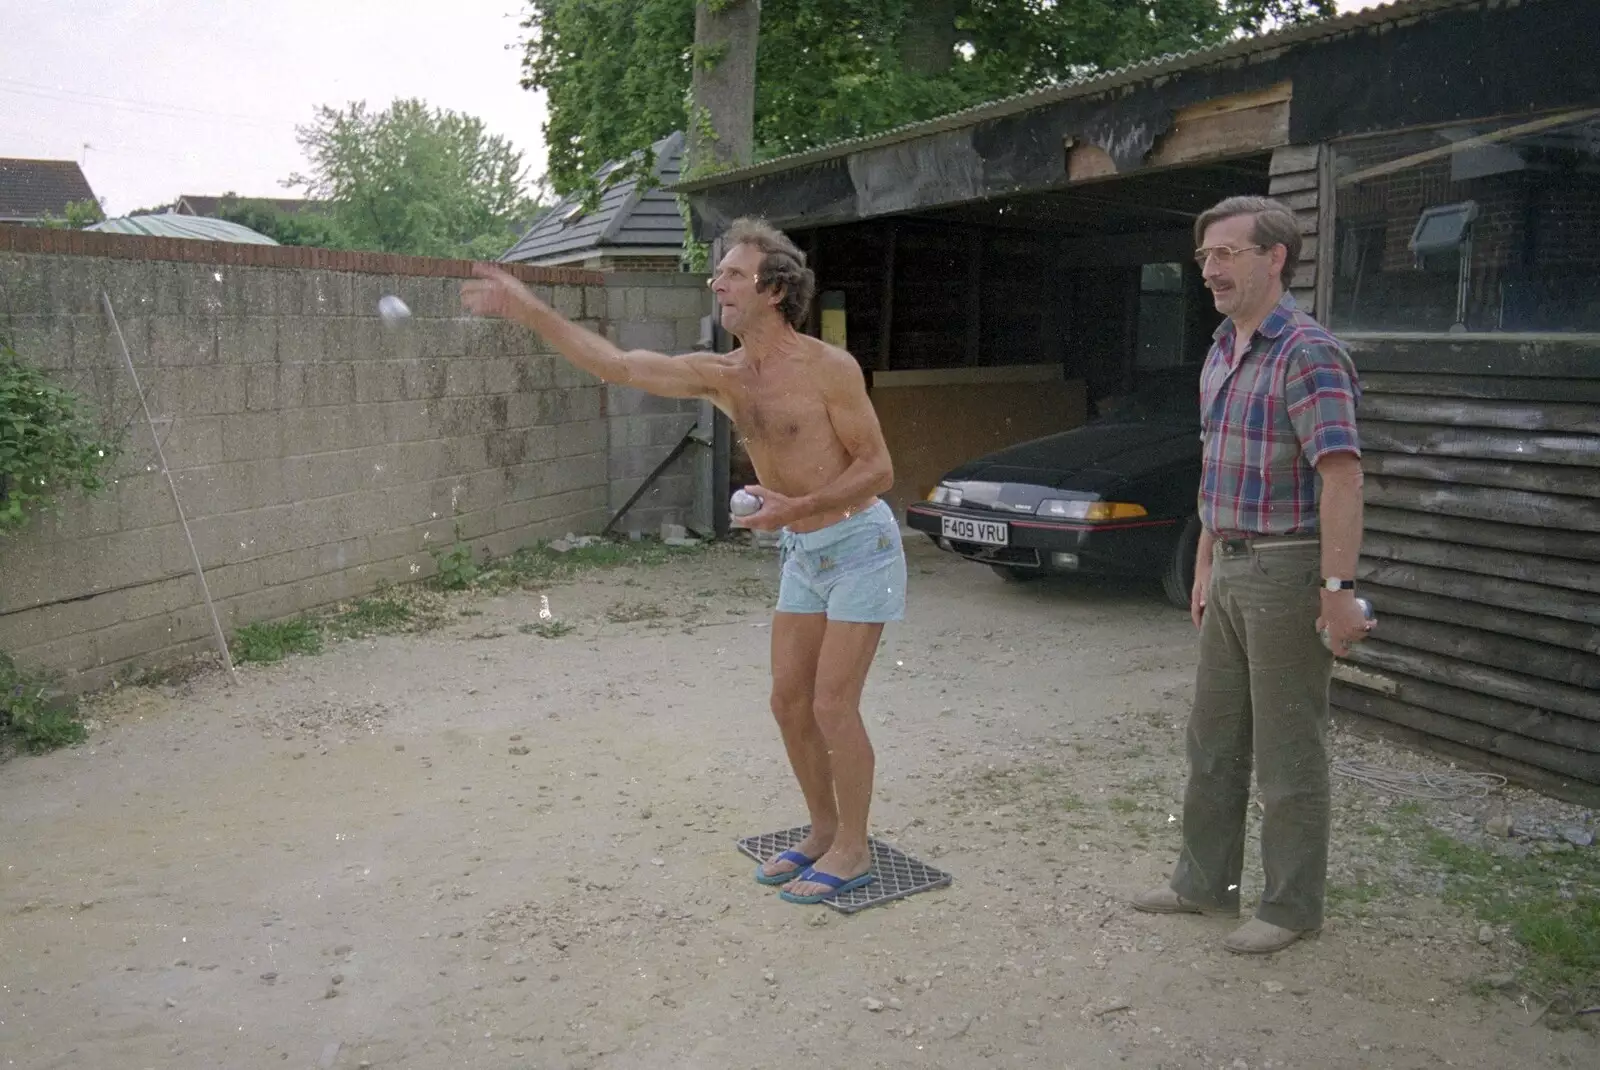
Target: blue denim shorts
854	570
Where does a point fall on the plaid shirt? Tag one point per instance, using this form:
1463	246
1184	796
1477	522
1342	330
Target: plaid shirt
1268	419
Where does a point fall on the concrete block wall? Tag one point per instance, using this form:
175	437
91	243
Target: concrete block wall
317	452
662	313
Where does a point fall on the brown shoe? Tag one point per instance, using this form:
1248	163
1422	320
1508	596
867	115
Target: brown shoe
1164	900
1257	937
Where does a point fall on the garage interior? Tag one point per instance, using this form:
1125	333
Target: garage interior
990	323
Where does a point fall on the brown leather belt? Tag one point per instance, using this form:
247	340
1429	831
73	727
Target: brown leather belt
1238	547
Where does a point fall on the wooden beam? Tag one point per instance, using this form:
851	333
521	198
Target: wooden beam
1416	158
1501	415
1528	568
1485	356
1347	673
1483	590
1242	125
1555	785
1535	628
1304	201
1293	158
1487	388
1544	478
1579	727
1201	181
1492	741
1294	183
1429	525
1280	93
1486	445
1136	207
1501	651
1488	503
1326	233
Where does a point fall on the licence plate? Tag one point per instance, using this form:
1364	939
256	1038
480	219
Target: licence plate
988	532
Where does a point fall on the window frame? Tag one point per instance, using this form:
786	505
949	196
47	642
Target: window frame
1329	236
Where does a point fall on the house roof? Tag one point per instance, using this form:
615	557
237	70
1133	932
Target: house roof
32	189
1093	85
626	219
173	225
206	204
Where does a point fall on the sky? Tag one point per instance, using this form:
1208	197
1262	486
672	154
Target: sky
203	96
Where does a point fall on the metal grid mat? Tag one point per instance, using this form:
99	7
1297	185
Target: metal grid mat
898	874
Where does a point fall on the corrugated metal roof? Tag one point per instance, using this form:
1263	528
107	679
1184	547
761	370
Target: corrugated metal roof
173	225
32	189
1160	66
624	219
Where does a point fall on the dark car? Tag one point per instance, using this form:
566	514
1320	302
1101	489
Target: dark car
1111	497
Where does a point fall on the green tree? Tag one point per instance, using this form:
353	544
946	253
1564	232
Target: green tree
308	227
617	72
414	179
77	215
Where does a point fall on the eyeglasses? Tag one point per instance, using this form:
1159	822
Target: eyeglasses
1224	254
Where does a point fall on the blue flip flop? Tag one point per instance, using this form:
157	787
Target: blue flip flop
801	863
836	886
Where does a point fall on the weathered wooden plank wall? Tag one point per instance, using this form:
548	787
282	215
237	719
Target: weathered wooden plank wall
1294	178
1482	551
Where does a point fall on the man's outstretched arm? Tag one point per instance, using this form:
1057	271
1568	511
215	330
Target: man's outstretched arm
493	292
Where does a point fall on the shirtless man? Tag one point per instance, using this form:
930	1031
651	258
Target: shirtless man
819	453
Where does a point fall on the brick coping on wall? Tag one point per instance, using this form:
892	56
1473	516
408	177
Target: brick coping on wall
18	239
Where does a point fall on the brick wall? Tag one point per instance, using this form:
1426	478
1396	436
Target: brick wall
317	453
1546	212
657	264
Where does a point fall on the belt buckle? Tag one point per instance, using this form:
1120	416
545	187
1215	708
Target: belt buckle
1235	547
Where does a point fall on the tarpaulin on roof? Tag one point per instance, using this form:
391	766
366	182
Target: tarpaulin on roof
1413	64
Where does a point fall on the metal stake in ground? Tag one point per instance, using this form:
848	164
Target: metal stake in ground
161	455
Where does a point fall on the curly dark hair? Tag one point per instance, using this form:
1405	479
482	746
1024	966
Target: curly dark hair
783	266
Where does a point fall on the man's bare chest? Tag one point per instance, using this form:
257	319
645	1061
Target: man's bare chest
779	410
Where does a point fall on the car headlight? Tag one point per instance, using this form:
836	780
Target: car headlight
1091	511
945	494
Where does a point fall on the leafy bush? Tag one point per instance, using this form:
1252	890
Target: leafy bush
28	713
49	444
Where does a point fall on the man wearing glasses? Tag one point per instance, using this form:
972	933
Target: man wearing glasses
1280	504
801	406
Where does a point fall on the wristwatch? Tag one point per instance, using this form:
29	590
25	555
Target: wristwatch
1334	584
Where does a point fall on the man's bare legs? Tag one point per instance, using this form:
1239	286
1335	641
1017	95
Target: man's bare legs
796	648
820	718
